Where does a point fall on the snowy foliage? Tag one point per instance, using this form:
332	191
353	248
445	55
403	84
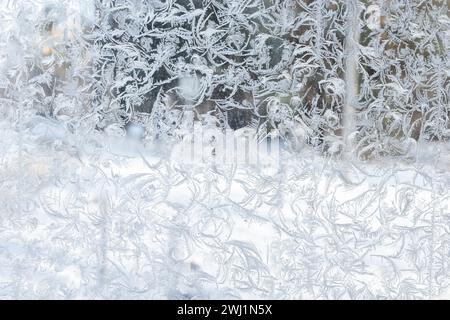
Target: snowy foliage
96	95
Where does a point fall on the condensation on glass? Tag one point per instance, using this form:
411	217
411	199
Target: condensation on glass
224	149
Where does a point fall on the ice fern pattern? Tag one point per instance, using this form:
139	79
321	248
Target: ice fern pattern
96	96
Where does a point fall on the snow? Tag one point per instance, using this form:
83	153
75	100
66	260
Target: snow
119	220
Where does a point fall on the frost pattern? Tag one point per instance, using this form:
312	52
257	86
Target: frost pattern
95	96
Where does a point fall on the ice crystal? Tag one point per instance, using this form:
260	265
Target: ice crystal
99	99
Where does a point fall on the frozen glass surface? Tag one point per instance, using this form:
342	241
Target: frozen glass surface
260	149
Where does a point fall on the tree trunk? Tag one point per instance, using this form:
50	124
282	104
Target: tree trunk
351	72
